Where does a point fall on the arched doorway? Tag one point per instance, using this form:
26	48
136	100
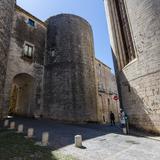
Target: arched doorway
21	94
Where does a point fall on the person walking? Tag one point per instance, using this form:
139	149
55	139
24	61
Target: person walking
112	118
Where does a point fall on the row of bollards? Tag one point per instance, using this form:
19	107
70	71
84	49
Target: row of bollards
45	135
30	131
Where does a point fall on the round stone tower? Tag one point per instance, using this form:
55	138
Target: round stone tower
6	15
139	79
70	87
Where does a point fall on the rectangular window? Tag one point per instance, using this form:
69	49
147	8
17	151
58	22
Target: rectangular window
101	87
31	22
28	50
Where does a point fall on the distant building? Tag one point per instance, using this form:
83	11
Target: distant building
107	90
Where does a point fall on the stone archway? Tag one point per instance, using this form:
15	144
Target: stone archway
21	94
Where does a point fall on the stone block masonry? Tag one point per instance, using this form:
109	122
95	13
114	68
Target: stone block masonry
139	81
70	87
47	68
24	73
6	15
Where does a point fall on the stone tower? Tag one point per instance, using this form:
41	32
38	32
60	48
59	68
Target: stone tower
134	27
69	89
6	15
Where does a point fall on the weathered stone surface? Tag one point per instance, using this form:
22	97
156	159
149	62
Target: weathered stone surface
70	91
6	15
139	81
67	88
107	89
27	67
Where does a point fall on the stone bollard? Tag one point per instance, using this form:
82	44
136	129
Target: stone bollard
124	130
20	128
30	132
6	123
45	137
12	125
78	141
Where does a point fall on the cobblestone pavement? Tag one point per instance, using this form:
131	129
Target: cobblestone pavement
101	142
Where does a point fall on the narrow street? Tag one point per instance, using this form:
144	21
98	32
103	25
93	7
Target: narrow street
101	142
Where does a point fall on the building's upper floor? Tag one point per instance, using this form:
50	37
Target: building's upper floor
106	79
29	35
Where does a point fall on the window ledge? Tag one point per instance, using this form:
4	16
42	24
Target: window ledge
28	59
133	61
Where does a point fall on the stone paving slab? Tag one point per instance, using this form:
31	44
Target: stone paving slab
116	147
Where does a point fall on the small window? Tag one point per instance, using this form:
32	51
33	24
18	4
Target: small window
129	88
31	22
28	50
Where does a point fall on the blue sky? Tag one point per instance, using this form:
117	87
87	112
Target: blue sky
92	10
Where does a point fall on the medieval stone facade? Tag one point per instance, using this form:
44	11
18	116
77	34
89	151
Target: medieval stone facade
49	67
107	90
70	87
24	78
134	27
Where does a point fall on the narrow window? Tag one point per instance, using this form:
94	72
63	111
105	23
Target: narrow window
108	101
129	88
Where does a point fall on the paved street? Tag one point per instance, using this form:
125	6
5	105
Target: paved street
102	142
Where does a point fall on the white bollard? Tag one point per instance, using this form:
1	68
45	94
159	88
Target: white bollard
78	141
20	128
30	133
12	125
124	130
45	137
6	123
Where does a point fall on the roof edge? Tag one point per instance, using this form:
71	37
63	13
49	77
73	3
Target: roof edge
18	8
102	63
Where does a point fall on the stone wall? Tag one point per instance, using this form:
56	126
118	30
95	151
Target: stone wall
18	64
6	15
70	87
107	89
140	79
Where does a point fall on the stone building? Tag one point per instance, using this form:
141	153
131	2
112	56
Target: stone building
134	27
107	90
48	67
24	76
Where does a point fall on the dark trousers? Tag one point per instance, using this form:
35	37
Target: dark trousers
112	122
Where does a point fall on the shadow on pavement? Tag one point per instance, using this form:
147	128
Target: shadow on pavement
61	134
